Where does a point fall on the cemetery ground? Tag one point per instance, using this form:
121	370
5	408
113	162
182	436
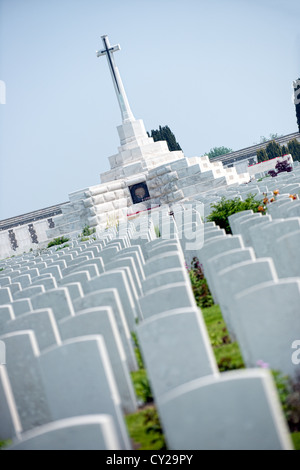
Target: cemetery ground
144	426
227	353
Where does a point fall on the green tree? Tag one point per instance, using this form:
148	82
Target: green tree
294	149
275	136
264	139
261	155
217	151
226	207
165	133
284	150
273	150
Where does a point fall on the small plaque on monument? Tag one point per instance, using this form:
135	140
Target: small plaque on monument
139	192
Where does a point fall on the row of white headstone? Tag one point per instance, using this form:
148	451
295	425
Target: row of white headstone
286	183
66	318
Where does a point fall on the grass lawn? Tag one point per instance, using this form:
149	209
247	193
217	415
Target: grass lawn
5	444
227	353
144	429
141	386
143	426
296	440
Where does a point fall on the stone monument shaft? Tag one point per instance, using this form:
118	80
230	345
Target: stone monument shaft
119	88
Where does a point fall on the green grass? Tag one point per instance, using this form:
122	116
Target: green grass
141	386
87	231
139	377
157	231
62	247
296	440
5	443
144	430
137	351
227	353
58	241
144	426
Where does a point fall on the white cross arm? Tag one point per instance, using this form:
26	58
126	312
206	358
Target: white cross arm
111	49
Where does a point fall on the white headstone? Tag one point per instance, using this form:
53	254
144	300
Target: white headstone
175	348
25	378
79	381
169	297
235	279
287	255
101	321
117	279
93	432
58	300
10	424
237	410
75	290
252	222
232	218
169	260
81	276
168	276
21	306
268	323
42	322
111	298
223	261
5	296
6	314
29	292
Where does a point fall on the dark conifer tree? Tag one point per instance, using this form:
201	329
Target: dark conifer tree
294	149
165	133
262	155
273	150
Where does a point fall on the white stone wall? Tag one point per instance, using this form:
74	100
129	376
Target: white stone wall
171	178
23	238
268	165
5	246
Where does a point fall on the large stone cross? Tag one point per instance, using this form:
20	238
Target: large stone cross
119	88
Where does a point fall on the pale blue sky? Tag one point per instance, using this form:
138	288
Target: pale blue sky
218	72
